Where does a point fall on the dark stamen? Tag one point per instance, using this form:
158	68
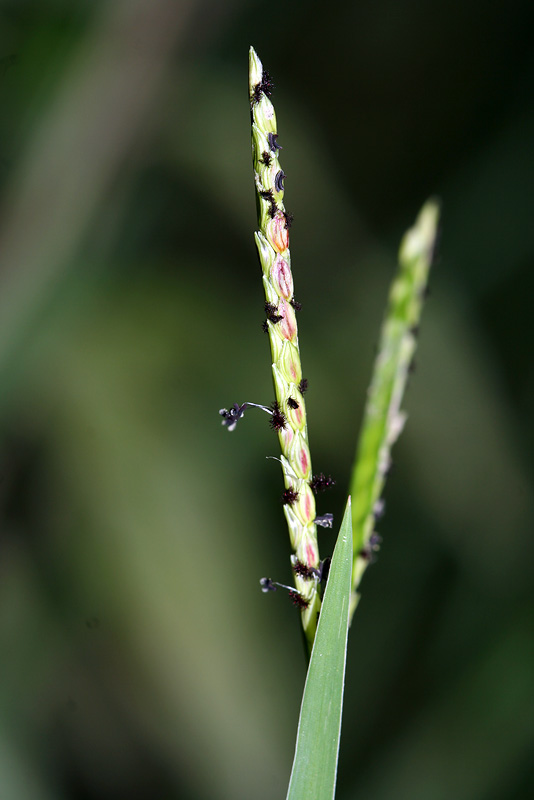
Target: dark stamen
279	181
325	521
303	386
267	585
232	415
273	144
292	403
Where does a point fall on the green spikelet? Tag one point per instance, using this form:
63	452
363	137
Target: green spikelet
272	241
383	418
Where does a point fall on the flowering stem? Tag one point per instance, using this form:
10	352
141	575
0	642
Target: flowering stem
272	241
383	418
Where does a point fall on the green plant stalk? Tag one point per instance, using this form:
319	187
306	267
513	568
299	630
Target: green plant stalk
272	241
383	418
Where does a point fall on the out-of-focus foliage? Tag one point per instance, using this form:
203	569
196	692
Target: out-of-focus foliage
138	657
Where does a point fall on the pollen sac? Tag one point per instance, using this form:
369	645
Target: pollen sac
325	520
279	181
281	278
269	176
273	142
277	233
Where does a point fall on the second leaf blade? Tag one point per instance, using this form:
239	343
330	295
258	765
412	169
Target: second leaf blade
316	754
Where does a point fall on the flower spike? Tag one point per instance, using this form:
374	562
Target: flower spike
289	412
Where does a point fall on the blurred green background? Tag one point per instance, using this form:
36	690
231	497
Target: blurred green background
138	657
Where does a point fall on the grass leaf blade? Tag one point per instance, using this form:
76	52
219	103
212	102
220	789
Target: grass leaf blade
316	754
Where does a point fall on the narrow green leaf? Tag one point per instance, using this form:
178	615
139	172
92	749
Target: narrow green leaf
315	764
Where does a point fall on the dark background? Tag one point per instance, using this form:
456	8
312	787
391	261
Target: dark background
138	657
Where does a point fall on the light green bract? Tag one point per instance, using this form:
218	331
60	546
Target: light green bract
313	776
272	241
383	418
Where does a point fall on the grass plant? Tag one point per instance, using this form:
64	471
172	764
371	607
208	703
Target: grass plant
315	764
